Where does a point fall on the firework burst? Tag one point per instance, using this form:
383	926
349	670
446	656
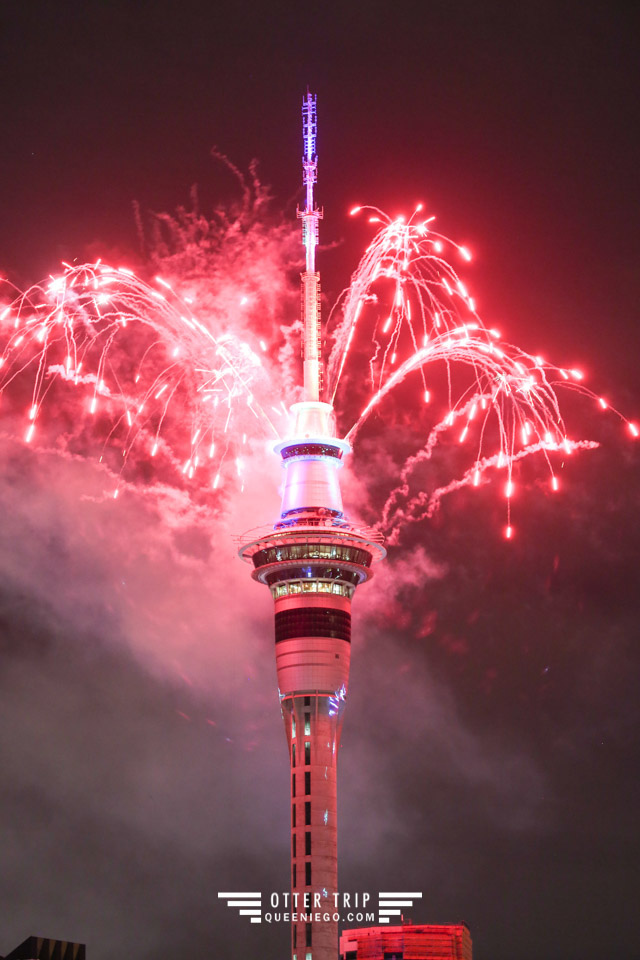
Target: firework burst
184	386
139	354
500	403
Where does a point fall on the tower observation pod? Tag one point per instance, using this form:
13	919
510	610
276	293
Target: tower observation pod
312	560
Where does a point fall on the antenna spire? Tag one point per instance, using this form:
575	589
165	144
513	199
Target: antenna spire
310	279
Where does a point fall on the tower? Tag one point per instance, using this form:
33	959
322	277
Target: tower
312	560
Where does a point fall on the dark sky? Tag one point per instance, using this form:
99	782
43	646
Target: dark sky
490	750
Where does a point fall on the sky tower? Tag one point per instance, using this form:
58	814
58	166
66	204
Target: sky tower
312	559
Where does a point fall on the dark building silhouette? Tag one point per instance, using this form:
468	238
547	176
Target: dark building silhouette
41	948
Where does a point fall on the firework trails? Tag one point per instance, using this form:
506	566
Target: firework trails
192	364
174	380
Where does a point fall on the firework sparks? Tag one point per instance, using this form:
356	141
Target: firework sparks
173	384
499	401
138	353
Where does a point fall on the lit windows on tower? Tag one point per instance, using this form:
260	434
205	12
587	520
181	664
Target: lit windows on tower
293	587
311	551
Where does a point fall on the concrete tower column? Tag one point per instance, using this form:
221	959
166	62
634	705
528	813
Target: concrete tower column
313	676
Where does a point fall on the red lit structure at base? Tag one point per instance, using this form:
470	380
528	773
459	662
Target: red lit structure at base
424	941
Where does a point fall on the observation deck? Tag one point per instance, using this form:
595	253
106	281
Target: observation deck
312	555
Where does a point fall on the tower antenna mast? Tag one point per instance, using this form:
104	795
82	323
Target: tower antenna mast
310	279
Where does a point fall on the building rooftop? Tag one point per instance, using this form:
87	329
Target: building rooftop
43	948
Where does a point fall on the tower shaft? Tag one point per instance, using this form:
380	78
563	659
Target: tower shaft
314	672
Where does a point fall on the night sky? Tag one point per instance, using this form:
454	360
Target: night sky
490	748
